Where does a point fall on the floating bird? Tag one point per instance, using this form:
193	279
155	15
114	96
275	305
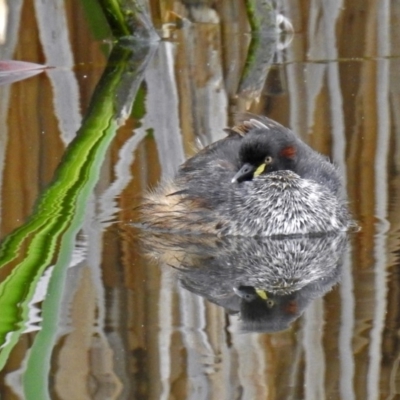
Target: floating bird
261	180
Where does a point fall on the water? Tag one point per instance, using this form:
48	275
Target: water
102	319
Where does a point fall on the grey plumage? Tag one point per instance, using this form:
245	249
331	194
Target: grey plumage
300	196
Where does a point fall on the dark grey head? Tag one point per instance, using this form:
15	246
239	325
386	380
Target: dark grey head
267	146
265	150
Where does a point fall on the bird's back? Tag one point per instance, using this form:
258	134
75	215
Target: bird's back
225	151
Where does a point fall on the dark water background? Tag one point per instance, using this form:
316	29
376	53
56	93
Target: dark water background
125	328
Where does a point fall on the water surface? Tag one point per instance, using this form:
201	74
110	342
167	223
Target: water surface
127	327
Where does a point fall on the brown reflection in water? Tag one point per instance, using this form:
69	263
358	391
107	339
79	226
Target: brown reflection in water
131	332
21	120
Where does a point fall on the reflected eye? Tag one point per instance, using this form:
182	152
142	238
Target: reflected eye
249	297
270	303
268	160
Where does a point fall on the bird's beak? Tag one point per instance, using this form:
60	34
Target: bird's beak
245	173
259	170
262	293
243	291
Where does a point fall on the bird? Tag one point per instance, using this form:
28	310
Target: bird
260	180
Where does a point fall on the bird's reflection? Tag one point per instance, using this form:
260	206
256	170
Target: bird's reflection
254	222
268	282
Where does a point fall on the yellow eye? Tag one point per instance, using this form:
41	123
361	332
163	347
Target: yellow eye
270	303
259	170
268	160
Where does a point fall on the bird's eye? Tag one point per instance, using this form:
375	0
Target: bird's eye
268	160
270	303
